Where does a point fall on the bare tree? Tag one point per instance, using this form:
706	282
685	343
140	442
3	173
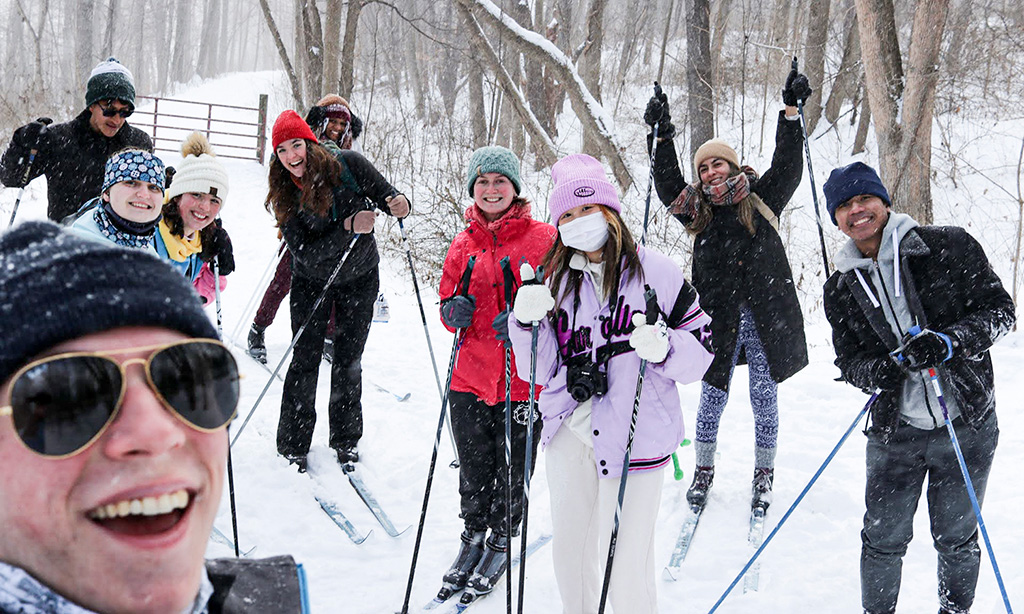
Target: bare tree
181	60
332	50
814	60
700	105
845	85
209	56
348	47
282	52
84	57
903	112
590	65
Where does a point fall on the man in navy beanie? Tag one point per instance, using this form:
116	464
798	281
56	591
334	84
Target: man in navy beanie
115	397
907	301
72	154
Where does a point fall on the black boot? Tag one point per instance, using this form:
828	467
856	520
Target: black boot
257	348
697	495
491	566
347	454
761	488
470	552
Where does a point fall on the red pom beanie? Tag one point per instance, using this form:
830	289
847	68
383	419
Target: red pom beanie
290	126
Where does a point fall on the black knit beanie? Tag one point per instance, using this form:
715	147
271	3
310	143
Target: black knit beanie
56	285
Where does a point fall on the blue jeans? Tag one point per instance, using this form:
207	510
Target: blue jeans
895	474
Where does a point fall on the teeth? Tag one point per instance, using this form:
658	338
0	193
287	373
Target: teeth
146	506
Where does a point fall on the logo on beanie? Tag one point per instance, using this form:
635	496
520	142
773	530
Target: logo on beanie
584	192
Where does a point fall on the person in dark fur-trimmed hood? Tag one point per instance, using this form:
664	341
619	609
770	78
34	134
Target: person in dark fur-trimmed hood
927	296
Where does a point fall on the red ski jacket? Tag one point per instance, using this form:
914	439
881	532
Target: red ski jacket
481	364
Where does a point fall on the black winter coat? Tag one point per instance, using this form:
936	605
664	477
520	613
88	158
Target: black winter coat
951	288
731	267
318	243
72	156
246	586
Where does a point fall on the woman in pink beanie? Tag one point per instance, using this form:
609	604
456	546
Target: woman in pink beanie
590	345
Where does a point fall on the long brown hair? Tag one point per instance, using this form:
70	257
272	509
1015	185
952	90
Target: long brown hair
172	214
323	173
744	209
619	247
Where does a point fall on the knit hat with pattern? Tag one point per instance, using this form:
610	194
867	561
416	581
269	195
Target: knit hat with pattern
580	180
58	285
110	80
133	164
493	159
199	171
290	126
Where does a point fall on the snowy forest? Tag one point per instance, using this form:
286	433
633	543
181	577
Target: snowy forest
929	92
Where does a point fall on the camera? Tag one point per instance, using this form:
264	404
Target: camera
586	379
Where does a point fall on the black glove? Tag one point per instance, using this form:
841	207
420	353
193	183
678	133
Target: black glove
457	311
32	134
356	124
657	113
797	89
315	117
220	248
889	375
500	326
169	173
925	350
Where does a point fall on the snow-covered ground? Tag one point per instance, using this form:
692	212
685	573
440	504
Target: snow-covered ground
811	565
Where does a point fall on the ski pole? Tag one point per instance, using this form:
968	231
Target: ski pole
295	339
231	472
463	289
46	121
258	291
810	173
537	277
799	498
426	333
651	301
650	181
510	282
934	377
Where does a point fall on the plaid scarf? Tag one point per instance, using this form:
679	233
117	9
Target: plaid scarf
729	192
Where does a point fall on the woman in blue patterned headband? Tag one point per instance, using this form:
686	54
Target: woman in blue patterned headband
128	209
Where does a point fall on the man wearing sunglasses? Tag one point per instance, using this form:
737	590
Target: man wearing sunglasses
72	154
113	442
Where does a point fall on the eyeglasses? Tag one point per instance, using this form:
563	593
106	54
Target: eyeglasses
109	111
63	403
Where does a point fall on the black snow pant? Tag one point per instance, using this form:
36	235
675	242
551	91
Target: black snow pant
353	302
480	436
896	472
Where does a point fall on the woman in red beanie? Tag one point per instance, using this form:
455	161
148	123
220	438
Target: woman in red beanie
320	205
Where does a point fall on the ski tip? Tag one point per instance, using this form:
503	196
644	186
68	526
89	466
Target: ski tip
404	397
359	540
669	575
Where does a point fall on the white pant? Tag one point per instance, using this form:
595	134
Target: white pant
582	513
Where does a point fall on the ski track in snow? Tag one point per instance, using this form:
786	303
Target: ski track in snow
810	566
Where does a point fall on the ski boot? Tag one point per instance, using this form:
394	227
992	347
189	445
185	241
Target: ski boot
465	562
299	460
490	568
347	455
257	347
329	350
761	488
697	495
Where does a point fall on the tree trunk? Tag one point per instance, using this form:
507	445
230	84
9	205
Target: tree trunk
332	48
700	105
283	53
590	65
814	60
536	83
903	114
664	40
208	56
477	112
718	40
861	139
84	56
313	48
844	87
181	61
108	38
348	48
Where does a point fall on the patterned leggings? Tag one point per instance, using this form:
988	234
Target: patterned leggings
763	391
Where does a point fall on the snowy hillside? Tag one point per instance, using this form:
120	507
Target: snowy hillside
811	566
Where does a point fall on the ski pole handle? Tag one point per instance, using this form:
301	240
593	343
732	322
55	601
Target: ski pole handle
651	301
794	65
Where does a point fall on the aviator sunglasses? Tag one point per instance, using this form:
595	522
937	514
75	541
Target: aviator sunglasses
61	404
110	111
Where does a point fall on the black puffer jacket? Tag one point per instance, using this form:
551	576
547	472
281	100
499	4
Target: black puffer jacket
72	156
731	267
318	243
951	288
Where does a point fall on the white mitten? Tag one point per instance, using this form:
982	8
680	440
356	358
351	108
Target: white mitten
649	340
532	304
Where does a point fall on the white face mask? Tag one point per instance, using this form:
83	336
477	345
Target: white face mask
587	234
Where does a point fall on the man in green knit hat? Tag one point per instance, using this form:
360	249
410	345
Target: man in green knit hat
72	154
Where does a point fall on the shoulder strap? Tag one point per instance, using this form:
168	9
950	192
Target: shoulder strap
348	179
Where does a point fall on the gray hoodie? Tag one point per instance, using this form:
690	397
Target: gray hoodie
918	404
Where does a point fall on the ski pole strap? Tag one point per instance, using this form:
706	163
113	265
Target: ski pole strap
510	280
467	274
651	301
